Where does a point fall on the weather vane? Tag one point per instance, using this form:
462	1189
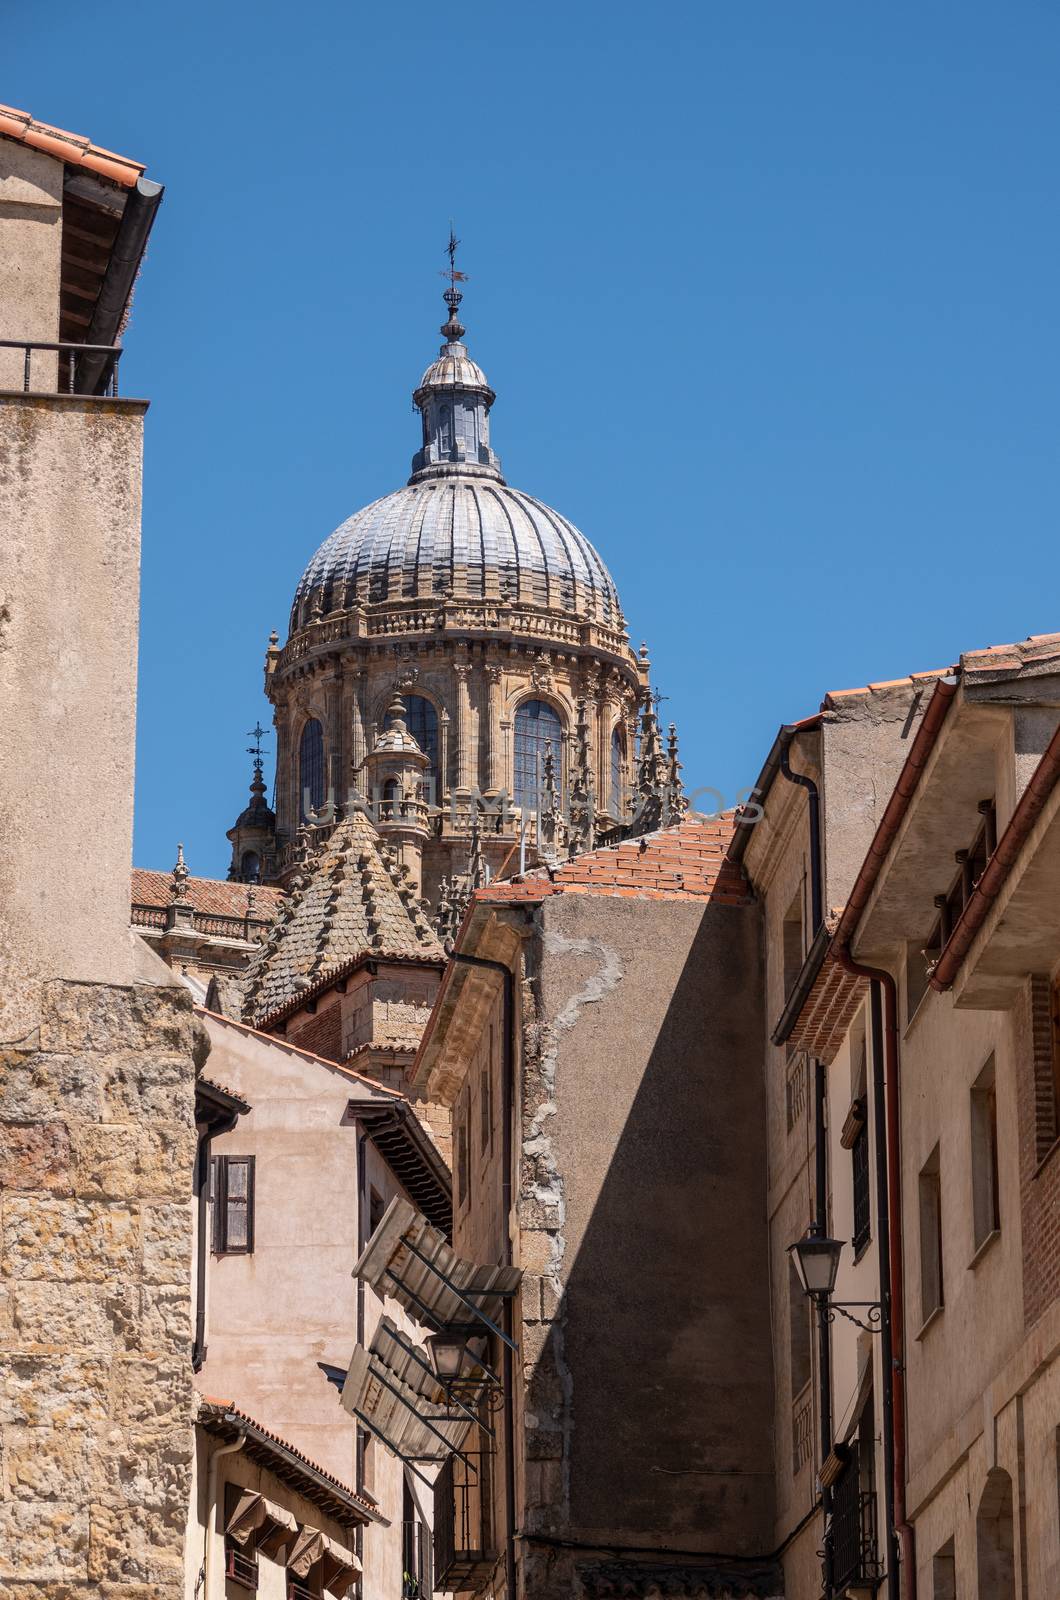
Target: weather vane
257	733
451	272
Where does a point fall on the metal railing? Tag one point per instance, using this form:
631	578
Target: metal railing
69	354
240	1568
801	1431
416	1558
463	1541
855	1557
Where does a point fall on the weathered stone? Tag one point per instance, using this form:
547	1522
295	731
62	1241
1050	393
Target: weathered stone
43	1540
167	1233
129	1542
69	1240
151	1391
103	1016
142	1089
40	1088
49	1463
35	1155
119	1162
97	1317
165	1319
53	1391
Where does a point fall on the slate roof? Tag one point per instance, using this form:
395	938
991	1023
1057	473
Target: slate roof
685	862
208	896
352	902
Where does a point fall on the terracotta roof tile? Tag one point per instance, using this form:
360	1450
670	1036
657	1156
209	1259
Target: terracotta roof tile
213	1410
686	862
354	901
208	896
73	148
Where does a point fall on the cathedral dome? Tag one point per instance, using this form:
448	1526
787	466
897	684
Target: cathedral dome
457	531
459	536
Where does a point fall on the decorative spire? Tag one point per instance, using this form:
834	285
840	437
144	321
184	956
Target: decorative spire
178	891
453	329
582	799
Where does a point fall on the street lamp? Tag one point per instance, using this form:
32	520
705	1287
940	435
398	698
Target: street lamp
456	1351
816	1260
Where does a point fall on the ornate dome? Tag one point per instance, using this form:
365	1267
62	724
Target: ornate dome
457	530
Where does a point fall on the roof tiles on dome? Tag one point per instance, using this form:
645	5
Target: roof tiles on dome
351	903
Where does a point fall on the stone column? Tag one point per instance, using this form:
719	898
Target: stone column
466	773
333	734
443	754
495	780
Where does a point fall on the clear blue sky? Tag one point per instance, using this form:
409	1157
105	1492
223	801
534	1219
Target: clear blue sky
767	290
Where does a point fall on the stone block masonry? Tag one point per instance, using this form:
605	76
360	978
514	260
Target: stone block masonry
97	1143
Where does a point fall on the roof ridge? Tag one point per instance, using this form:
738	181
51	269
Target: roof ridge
308	1055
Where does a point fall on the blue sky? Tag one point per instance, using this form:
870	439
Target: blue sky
767	291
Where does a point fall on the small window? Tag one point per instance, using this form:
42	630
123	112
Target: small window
931	1278
485	1095
463	1165
944	1573
376	1208
233	1205
618	763
986	1198
250	867
792	943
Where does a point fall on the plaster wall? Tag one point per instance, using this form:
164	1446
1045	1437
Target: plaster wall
659	1355
31	199
952	1360
272	1315
206	1523
69	599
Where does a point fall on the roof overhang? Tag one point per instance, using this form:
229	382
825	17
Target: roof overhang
751	812
467	994
408	1151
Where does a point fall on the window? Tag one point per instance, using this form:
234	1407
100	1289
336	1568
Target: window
994	1539
855	1138
421	719
944	1573
311	768
792	943
485	1095
798	1333
250	867
536	724
986	1200
242	1525
376	1208
618	762
233	1205
463	1165
931	1282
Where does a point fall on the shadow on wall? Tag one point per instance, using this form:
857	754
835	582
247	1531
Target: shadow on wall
660	1361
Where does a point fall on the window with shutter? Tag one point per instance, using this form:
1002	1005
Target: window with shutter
233	1192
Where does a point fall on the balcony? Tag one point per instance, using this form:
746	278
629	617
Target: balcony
67	368
463	1542
856	1568
240	1568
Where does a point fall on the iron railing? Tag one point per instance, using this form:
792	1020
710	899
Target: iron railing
300	1591
855	1557
69	355
240	1567
416	1561
802	1430
463	1521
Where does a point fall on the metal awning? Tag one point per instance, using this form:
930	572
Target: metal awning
392	1389
410	1260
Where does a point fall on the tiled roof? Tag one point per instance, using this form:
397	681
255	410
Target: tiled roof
207	895
685	862
354	902
73	148
288	1462
1038	653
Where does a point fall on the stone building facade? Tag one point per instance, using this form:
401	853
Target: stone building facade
98	1041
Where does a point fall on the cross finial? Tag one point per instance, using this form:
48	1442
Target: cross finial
257	733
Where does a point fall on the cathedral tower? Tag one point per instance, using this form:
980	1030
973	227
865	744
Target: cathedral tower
490	615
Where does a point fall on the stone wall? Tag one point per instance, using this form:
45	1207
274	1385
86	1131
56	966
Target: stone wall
97	1142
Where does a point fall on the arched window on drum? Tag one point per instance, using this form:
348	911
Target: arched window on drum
618	769
311	769
536	725
421	719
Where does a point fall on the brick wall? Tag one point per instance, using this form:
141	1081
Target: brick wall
320	1034
1039	1157
97	1142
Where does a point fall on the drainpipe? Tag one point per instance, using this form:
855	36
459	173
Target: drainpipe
508	1367
211	1589
824	1344
362	1240
883	1012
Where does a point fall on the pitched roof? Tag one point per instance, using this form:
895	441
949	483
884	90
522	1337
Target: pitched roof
354	901
73	148
382	1089
209	896
684	862
287	1463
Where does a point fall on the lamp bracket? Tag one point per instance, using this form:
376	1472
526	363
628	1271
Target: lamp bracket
872	1308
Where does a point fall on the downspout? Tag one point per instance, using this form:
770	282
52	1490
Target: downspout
362	1240
885	1107
208	1566
508	1367
824	1345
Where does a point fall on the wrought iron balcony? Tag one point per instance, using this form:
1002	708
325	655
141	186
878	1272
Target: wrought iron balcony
82	368
855	1556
